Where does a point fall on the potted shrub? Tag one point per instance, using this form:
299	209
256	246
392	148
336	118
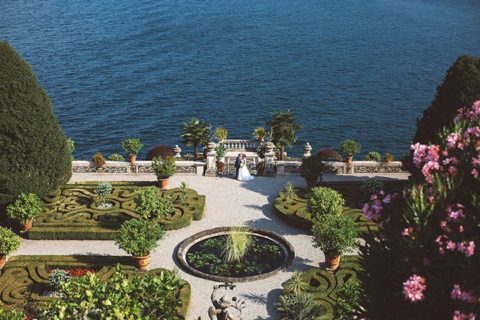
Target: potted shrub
221	151
311	169
9	243
164	169
25	209
221	134
325	201
151	205
334	235
132	147
138	238
98	161
388	157
373	156
116	157
260	133
102	190
350	148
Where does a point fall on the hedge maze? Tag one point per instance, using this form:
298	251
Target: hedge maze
72	212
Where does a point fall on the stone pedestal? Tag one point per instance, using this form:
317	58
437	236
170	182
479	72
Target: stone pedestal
349	168
211	161
269	159
307	148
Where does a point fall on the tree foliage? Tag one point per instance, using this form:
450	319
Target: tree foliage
34	152
283	128
195	132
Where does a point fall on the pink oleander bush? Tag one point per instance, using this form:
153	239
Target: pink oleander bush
424	263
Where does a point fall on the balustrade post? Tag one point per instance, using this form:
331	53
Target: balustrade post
269	159
211	160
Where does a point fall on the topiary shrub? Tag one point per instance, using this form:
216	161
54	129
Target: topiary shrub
58	277
329	155
371	185
350	147
334	234
139	237
160	151
324	201
9	241
132	146
373	156
311	169
26	207
153	206
35	156
102	190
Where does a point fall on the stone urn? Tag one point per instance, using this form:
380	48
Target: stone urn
26	226
143	262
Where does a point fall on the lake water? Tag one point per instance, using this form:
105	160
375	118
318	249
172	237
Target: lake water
349	69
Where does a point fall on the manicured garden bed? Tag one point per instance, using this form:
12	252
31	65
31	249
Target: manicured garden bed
72	212
25	278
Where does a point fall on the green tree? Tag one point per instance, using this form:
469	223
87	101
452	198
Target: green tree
195	133
283	129
461	87
34	151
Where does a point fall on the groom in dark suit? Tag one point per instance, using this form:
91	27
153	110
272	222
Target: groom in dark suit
238	161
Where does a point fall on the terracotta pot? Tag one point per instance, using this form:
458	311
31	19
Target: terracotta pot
311	183
163	184
332	261
3	261
132	158
220	166
349	159
26	226
142	263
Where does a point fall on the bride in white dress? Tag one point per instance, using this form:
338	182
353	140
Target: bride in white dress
244	174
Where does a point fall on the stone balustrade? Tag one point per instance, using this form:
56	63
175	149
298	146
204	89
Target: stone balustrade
240	145
293	167
181	167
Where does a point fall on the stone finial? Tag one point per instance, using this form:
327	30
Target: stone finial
307	148
269	146
177	151
210	146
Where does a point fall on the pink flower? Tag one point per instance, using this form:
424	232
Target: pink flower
407	231
457	315
450	245
387	199
455	212
413	288
459	294
452	140
469	249
460	229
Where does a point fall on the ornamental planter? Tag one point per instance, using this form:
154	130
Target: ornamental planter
3	261
142	263
332	261
132	158
163	184
220	167
26	226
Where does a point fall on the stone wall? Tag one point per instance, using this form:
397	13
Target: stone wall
182	167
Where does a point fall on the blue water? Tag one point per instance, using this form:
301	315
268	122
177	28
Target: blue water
349	69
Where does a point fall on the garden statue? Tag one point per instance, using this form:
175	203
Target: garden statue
220	309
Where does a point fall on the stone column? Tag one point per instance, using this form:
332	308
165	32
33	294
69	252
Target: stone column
177	151
307	148
211	161
269	159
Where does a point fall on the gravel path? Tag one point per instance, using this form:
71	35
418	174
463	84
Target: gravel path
228	203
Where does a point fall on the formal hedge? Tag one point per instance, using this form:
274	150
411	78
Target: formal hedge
71	212
24	279
34	156
325	284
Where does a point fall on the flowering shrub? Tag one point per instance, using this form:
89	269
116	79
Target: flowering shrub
428	244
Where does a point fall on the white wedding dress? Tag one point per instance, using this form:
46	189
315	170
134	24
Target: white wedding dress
243	173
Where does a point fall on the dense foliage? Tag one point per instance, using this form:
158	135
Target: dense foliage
151	205
373	156
26	207
221	133
194	133
334	234
348	300
163	168
103	189
350	147
329	155
136	297
9	241
298	305
11	315
58	277
461	87
425	260
312	167
371	186
34	153
98	160
260	133
139	237
323	201
283	128
132	146
116	157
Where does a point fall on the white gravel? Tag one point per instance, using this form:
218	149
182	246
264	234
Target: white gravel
228	203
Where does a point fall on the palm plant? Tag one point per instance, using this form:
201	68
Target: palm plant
283	129
195	132
237	245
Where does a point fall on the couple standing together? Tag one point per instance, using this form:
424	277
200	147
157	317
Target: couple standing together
242	173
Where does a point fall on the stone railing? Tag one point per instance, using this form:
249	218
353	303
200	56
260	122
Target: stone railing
240	145
181	167
293	167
